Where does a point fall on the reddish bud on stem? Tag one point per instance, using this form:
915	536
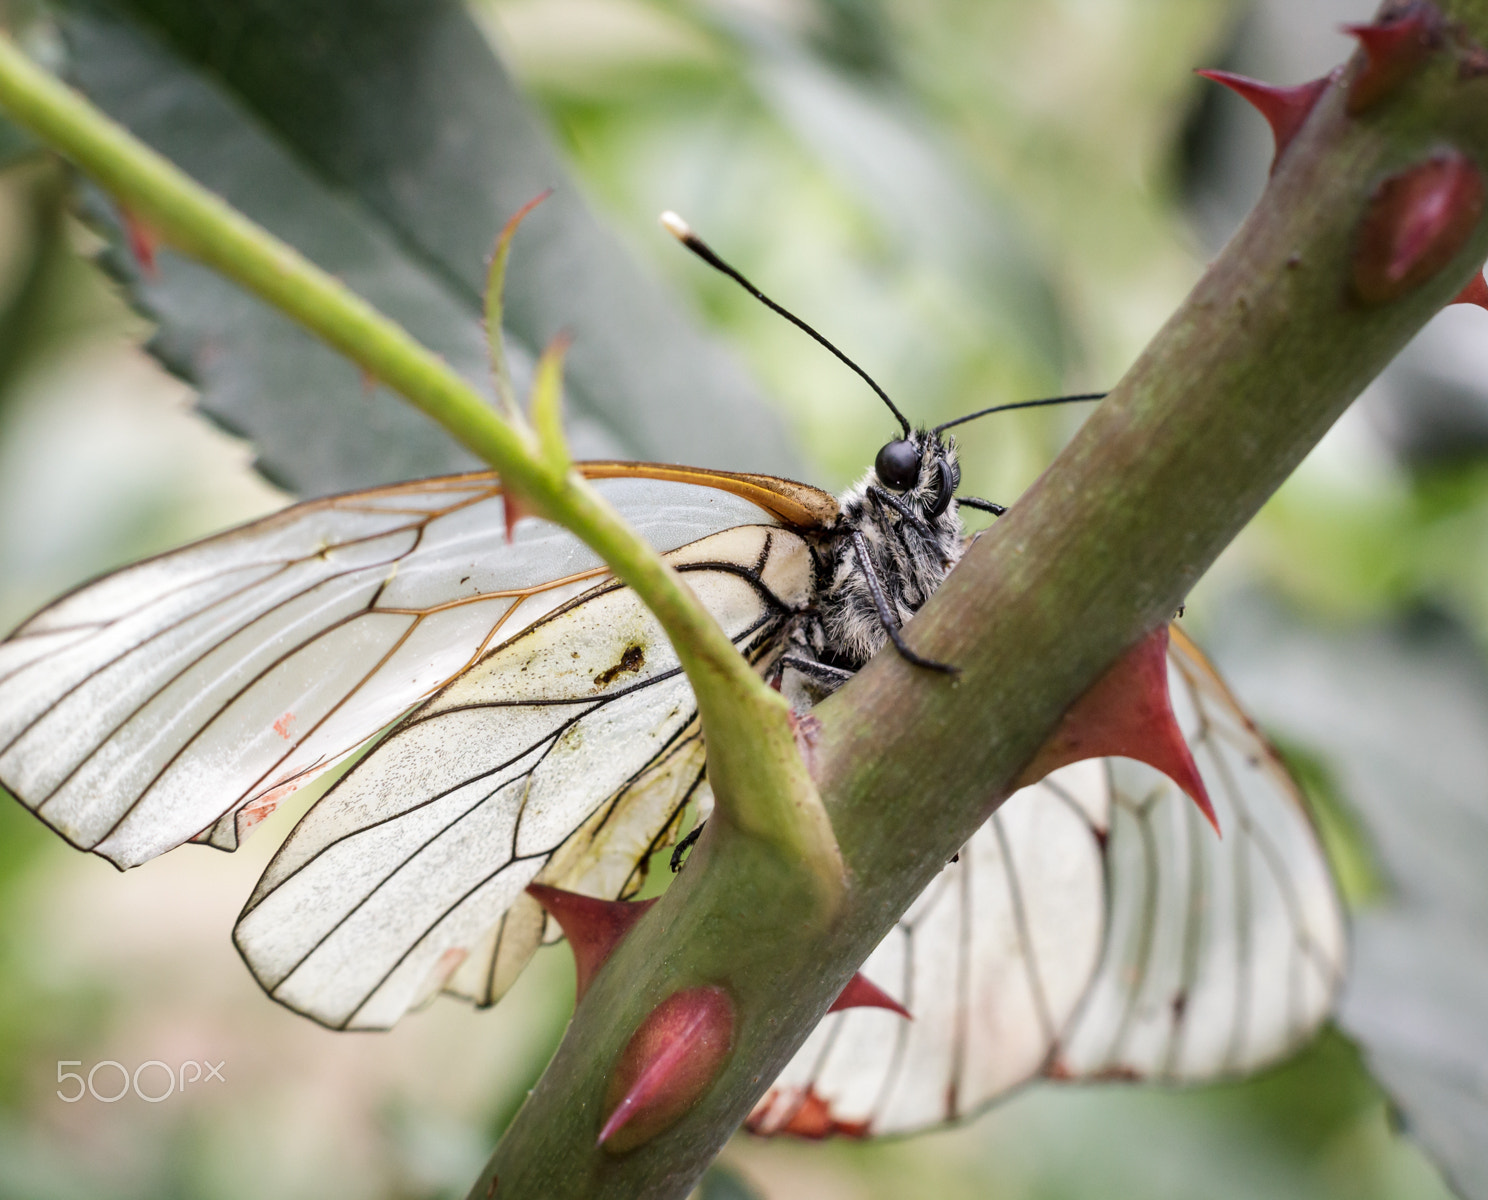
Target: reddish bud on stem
1127	713
1393	51
670	1061
1285	108
1416	223
593	927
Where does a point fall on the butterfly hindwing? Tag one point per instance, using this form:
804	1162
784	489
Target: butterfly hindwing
570	746
1222	955
1094	927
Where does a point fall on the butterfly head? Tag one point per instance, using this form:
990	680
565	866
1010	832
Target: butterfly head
922	468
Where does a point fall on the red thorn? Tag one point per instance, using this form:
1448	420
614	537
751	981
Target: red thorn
862	992
1393	51
1285	108
801	1114
669	1062
1476	292
1416	223
1127	712
593	927
143	242
514	509
369	382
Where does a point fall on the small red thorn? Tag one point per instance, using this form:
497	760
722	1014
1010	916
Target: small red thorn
1127	712
1476	292
1285	108
514	509
143	242
1416	223
669	1062
1394	50
593	927
369	382
862	992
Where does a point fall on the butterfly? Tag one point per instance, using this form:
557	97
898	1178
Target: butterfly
543	732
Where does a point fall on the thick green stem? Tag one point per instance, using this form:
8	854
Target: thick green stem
772	797
1265	353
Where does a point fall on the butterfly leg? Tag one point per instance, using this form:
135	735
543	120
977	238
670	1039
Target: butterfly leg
882	497
685	845
823	672
891	626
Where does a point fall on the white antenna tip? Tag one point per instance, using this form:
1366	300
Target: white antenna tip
676	226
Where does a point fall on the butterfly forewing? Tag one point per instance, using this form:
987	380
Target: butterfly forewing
182	697
1094	927
391	885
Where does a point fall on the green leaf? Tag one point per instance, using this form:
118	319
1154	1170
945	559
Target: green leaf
14	143
1400	713
385	141
873	135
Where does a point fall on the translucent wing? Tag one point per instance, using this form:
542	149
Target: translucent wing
562	756
1221	955
183	697
1093	928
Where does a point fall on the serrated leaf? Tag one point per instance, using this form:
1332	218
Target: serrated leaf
1401	714
385	141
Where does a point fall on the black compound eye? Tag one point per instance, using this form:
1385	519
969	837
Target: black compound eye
898	464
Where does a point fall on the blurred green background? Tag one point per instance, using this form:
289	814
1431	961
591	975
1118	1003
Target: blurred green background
981	200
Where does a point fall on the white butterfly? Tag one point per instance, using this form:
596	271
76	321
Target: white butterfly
1094	927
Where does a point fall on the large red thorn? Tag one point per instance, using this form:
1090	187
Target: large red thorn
1127	712
1476	292
1416	223
669	1062
593	927
862	992
1285	108
1394	50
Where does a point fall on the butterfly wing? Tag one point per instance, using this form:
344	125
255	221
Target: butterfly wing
1093	928
183	697
561	756
1221	955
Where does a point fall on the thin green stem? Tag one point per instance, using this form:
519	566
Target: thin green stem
774	798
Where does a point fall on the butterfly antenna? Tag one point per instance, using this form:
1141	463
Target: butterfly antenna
680	230
997	408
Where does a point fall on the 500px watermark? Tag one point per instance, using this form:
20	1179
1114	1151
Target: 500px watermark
152	1081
